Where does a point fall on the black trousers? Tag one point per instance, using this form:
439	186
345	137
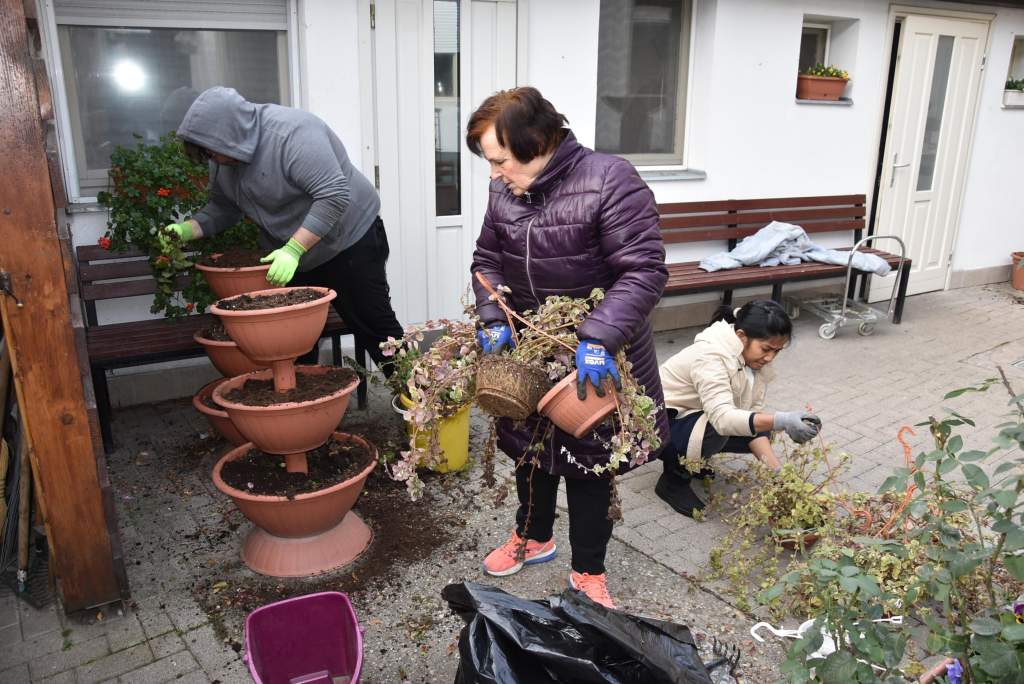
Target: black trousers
679	436
359	277
589	526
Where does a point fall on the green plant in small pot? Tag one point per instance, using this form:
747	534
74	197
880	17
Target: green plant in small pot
1013	93
821	82
151	187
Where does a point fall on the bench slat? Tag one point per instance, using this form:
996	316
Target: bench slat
704	235
88	273
758	204
86	253
761	218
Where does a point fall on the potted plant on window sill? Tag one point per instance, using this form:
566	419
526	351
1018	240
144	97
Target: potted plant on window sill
1013	95
821	82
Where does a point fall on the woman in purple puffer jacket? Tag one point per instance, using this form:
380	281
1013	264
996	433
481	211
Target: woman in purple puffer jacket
562	220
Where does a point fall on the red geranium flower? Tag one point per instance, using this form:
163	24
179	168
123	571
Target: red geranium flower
162	260
104	242
164	192
189	306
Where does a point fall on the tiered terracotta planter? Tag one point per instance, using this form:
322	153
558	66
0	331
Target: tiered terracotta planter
313	532
218	419
226	357
307	535
228	282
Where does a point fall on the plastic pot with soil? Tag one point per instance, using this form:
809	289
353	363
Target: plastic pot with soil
274	327
304	524
223	353
562	406
217	417
234	272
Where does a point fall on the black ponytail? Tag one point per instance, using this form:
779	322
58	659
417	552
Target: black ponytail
759	319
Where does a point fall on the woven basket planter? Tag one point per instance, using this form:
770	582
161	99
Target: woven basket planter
508	388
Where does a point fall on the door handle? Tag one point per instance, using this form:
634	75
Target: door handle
892	174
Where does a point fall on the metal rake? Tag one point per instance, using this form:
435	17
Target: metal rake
727	654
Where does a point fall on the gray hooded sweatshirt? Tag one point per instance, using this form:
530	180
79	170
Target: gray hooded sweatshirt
294	172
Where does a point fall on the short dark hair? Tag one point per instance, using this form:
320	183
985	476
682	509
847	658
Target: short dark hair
759	319
524	122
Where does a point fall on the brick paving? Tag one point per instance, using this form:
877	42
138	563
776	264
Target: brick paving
864	389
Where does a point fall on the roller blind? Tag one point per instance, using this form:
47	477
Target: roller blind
240	14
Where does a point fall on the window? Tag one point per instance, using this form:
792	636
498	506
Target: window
447	132
643	52
125	80
814	45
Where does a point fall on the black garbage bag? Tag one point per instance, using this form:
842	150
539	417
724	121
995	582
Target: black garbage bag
567	638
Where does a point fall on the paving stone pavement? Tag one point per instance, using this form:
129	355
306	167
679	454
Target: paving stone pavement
864	389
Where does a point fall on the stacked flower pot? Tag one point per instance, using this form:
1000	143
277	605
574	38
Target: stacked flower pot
285	412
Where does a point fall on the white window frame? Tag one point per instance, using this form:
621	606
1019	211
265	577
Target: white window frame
62	109
668	162
828	36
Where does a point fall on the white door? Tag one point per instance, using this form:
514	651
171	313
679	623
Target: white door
935	92
434	61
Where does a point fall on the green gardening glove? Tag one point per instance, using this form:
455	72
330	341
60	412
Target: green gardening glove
283	262
174	233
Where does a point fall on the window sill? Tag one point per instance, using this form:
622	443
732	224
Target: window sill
655	176
841	102
84	205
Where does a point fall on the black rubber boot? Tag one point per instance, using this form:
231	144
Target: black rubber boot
678	494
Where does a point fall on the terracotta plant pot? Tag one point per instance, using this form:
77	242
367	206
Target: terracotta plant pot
228	282
226	357
819	87
219	420
288	428
276	336
562	406
308	535
938	671
1017	274
507	388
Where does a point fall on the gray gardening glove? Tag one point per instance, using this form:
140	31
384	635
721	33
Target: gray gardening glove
799	425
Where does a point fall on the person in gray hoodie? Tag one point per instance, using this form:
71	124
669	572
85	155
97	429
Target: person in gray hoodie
286	170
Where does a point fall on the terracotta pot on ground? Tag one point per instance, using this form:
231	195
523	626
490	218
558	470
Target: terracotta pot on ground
219	420
291	428
308	535
1017	274
562	406
508	388
791	542
228	282
819	87
276	336
938	671
226	357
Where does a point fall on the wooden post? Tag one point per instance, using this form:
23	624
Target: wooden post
40	337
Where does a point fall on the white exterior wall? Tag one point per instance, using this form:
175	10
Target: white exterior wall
744	128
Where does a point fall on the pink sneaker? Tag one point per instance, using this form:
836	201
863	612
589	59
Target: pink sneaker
503	560
594	586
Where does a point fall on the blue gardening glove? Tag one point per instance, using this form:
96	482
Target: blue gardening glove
174	232
594	363
495	337
799	425
284	262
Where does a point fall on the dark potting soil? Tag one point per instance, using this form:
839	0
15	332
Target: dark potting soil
233	258
208	401
260	473
270	301
308	386
217	333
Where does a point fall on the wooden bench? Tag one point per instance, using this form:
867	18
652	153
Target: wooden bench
729	221
104	275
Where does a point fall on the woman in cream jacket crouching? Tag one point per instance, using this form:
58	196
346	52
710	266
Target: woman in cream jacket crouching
715	391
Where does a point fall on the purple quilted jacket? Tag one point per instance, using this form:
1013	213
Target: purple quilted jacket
588	221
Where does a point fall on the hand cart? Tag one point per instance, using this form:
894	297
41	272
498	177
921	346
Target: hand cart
836	311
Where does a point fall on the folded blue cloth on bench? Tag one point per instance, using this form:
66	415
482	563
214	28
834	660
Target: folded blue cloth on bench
786	244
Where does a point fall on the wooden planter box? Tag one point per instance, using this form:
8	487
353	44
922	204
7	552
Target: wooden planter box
819	87
1013	98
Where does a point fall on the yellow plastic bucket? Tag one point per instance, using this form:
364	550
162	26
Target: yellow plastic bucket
453	436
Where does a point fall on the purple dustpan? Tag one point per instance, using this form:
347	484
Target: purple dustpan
312	639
